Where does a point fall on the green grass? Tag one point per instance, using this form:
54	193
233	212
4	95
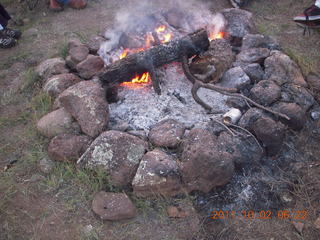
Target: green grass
30	79
18	58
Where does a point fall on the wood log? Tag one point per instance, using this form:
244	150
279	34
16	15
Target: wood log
147	61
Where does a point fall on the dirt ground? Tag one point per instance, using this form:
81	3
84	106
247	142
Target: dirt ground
57	206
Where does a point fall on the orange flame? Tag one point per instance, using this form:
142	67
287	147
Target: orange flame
138	81
218	35
161	29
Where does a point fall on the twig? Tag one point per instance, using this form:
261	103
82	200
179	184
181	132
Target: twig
225	126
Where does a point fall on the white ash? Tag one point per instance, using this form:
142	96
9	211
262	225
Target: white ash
142	108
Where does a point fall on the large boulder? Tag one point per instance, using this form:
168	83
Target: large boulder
203	165
118	153
68	147
265	92
58	83
239	22
281	69
51	67
85	101
167	133
254	72
158	173
259	41
79	53
89	67
113	206
57	122
235	78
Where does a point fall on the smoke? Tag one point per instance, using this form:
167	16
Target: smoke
142	16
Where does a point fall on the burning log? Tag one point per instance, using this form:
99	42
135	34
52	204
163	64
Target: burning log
152	58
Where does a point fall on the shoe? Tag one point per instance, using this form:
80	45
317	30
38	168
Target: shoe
310	17
16	34
77	4
7	42
55	6
238	3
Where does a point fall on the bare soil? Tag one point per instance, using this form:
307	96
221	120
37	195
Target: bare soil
57	206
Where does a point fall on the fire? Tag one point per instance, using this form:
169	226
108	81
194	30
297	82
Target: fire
138	81
161	29
218	35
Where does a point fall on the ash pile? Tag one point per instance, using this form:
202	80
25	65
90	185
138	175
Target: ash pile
169	144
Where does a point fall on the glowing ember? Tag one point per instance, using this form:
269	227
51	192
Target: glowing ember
218	35
161	29
138	81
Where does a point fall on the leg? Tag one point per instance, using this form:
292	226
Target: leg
55	6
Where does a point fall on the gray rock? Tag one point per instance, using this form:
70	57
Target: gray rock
89	67
71	64
46	166
254	72
167	133
239	22
281	69
58	83
239	103
113	206
203	165
253	55
235	78
248	118
314	81
259	41
51	67
118	153
299	95
94	43
158	173
85	101
265	92
57	122
68	147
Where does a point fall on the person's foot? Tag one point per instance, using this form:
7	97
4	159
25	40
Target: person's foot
55	6
238	3
7	42
310	17
77	4
13	33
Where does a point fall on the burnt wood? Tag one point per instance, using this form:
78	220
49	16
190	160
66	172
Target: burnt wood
147	61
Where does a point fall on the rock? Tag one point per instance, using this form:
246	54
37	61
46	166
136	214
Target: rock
71	64
129	41
46	165
265	92
239	103
121	126
167	133
118	153
140	134
183	210
51	67
314	81
158	173
281	69
240	22
248	118
244	151
235	78
57	122
203	165
270	133
254	72
85	101
296	114
253	55
219	55
298	226
259	41
113	206
94	43
68	147
78	53
315	114
73	43
89	67
317	223
299	95
58	83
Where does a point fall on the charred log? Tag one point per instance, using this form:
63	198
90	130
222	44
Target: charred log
150	59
